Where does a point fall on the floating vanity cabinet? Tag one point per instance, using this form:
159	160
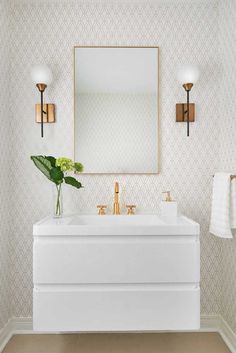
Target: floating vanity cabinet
116	273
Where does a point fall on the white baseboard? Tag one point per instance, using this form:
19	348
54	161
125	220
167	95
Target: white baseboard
227	334
22	326
5	335
209	323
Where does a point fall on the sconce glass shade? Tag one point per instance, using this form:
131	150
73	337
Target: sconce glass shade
188	74
41	74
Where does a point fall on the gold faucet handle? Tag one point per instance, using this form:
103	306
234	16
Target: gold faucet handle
130	209
102	209
167	196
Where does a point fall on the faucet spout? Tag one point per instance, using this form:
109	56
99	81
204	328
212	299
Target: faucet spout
116	205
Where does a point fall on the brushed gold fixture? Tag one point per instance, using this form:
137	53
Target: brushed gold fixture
187	75
116	204
130	209
181	110
188	86
102	209
42	77
167	196
158	100
41	87
49	113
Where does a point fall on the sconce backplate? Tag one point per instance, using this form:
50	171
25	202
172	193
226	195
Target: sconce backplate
48	115
181	115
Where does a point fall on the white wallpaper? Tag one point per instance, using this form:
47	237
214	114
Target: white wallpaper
45	33
4	164
228	147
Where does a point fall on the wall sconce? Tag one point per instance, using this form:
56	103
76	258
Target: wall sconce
187	76
42	77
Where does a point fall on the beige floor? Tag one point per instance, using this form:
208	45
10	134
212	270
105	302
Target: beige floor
118	343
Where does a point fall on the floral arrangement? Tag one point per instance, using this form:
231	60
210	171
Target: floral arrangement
55	170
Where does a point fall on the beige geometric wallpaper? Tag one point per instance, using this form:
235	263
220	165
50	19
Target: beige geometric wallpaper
44	33
227	13
4	174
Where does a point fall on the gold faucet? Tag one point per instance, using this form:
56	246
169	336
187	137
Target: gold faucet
130	209
102	209
116	204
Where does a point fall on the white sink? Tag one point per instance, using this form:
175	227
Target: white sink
116	273
121	220
143	224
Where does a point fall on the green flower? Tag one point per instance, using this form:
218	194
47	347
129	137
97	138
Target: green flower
78	167
65	164
54	169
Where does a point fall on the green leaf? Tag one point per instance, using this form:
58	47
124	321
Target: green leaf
43	164
73	182
56	175
52	160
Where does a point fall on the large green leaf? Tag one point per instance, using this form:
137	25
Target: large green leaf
72	181
43	164
56	175
52	160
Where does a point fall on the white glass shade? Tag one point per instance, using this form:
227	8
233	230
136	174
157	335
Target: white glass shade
41	74
188	74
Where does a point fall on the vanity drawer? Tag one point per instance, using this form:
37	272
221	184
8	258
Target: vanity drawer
117	259
122	308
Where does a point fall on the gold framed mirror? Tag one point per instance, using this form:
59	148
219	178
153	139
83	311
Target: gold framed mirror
116	109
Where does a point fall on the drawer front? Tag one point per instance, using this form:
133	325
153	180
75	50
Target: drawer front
115	261
123	309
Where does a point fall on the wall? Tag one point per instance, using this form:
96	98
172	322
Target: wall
4	162
227	11
119	142
45	33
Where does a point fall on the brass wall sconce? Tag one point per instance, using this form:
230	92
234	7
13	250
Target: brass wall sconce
187	76
42	77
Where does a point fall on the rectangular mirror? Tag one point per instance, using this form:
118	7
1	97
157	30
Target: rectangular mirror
116	109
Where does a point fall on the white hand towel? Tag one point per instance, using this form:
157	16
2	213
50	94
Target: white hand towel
222	207
233	204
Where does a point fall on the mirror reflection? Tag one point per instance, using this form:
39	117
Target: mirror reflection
116	109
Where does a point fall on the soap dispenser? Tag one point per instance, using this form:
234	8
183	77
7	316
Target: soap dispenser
169	211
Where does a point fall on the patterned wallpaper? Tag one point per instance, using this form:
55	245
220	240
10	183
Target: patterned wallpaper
227	13
4	163
116	132
45	33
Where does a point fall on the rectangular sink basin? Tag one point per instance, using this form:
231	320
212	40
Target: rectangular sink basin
143	224
120	220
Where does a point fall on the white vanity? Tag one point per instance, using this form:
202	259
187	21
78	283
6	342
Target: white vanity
116	273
